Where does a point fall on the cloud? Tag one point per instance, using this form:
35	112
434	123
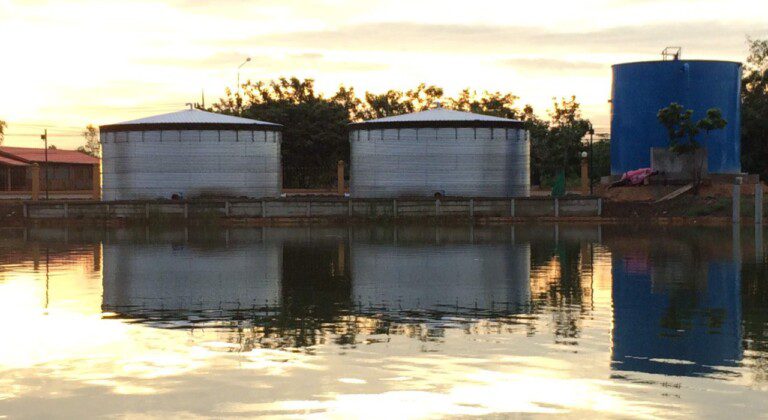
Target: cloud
287	63
549	65
712	37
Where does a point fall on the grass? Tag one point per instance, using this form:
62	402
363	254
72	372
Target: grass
705	209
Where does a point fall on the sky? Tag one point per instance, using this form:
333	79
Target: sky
66	64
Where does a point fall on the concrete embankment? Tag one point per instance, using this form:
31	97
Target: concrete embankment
317	209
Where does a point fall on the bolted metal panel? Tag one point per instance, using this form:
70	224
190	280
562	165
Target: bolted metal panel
429	277
457	161
158	164
163	277
641	89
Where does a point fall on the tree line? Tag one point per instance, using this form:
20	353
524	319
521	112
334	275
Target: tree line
315	135
315	126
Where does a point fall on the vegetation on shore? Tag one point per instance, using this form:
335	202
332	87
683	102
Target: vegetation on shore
315	135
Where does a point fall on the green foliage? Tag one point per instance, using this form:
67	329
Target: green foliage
395	102
92	145
754	110
489	103
315	127
556	145
601	158
3	126
681	129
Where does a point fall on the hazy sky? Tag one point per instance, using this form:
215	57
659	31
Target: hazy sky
65	64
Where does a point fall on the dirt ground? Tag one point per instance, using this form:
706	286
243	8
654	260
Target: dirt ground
640	201
655	192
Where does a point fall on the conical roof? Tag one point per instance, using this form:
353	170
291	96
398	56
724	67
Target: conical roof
438	117
439	114
191	119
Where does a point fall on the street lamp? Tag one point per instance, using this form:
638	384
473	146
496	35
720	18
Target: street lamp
238	73
591	133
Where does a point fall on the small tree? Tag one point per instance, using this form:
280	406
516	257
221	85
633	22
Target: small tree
92	146
3	126
682	132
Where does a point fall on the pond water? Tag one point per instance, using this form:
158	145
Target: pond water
384	322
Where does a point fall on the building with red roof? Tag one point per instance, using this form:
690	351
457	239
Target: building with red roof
29	173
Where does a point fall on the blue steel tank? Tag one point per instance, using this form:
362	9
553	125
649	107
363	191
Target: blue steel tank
641	89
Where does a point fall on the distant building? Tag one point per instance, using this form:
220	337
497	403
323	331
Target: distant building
439	152
70	174
191	153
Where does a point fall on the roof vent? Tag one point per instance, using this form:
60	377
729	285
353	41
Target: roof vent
671	53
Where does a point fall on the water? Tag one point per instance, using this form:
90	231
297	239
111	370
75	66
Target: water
383	322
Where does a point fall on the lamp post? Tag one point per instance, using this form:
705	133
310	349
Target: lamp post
586	183
44	137
247	59
591	133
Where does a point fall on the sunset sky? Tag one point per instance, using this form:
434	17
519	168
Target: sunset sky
65	64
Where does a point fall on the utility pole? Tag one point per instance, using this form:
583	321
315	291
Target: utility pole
44	137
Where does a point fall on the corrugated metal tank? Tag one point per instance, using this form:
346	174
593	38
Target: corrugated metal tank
441	277
641	89
142	278
191	153
439	151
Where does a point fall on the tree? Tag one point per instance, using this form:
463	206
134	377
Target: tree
754	108
489	103
92	145
682	132
314	128
3	126
681	129
556	144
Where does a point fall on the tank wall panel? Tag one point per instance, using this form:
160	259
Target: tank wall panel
156	164
641	89
416	277
151	277
480	162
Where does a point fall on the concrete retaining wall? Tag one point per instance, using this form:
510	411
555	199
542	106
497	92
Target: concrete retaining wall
319	208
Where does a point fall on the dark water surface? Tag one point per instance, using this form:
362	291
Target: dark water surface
384	322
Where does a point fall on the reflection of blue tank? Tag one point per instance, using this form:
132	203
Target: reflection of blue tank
641	89
659	328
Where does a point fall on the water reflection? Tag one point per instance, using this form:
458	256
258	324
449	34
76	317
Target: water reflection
677	308
432	320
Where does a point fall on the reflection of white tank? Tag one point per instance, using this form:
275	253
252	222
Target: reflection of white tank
172	277
434	277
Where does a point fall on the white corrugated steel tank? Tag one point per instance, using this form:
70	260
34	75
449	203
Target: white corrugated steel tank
190	153
449	276
440	151
171	277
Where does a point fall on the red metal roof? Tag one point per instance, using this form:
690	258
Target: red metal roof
54	155
11	162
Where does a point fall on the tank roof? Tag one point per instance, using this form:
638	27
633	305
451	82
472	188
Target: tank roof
677	61
189	119
438	117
